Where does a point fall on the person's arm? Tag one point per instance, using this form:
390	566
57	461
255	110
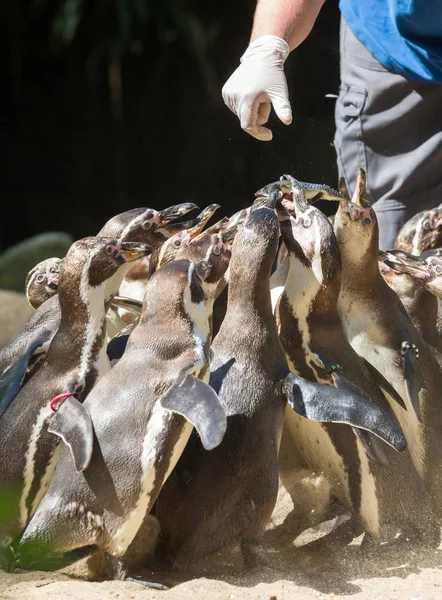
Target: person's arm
279	27
291	20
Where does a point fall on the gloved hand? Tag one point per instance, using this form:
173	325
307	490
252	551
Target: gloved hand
258	83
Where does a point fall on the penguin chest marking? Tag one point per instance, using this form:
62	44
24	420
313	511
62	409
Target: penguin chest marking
30	463
93	298
153	448
275	294
314	444
416	238
369	509
309	280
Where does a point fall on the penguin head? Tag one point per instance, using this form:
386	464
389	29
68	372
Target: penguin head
422	232
42	281
95	260
308	235
356	226
405	285
256	243
146	225
425	269
185	235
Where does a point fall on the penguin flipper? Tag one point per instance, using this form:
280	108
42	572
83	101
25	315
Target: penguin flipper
320	402
73	424
414	381
369	441
199	404
12	378
384	384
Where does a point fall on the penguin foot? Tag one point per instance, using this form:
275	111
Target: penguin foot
253	555
343	535
154	585
116	568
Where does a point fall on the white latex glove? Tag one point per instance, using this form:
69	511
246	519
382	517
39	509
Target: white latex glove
258	83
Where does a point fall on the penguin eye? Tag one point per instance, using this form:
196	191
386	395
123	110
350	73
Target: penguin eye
146	225
40	278
427	225
177	243
438	270
367	221
110	249
306	222
217	250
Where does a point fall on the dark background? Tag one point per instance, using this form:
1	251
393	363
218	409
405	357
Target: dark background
112	104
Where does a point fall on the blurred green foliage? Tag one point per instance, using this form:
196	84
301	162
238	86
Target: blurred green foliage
116	27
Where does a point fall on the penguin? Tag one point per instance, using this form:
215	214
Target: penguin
422	232
359	468
379	329
75	360
139	224
42	281
158	392
425	269
421	305
224	497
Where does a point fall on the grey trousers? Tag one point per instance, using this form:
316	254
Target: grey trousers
392	128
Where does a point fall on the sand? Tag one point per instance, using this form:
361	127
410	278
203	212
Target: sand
293	571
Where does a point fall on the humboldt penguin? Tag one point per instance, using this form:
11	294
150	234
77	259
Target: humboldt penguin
421	305
158	392
30	345
42	281
359	468
422	232
75	360
216	499
379	329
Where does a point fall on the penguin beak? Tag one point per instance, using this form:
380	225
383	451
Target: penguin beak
404	265
228	235
267	190
359	197
203	269
130	251
53	280
216	228
174	212
201	221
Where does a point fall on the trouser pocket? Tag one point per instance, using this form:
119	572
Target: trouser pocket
349	141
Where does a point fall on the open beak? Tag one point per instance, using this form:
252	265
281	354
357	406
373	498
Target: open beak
131	251
404	265
167	215
201	221
216	228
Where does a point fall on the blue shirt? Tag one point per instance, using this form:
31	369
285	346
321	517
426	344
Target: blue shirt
403	35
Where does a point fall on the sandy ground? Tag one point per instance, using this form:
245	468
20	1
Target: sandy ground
292	572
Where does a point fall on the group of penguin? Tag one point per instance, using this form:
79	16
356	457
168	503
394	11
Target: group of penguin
173	373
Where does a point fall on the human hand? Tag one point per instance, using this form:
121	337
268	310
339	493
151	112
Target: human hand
258	83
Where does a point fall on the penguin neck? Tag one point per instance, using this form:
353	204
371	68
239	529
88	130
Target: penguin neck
360	272
422	308
250	288
80	338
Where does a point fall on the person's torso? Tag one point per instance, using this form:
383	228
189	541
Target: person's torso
403	35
